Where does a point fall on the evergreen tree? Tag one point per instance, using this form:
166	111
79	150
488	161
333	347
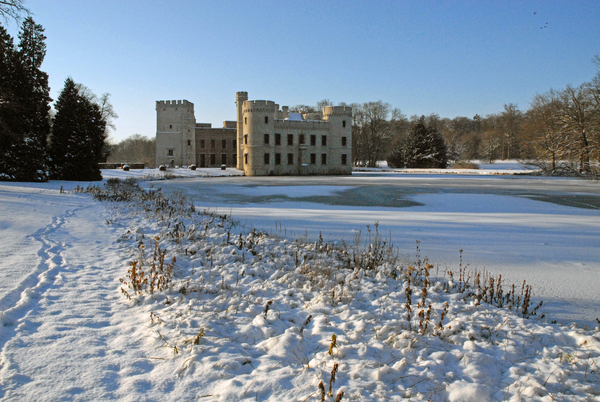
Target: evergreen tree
397	159
78	136
425	147
33	94
24	105
7	104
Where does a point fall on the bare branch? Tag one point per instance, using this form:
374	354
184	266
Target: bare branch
13	9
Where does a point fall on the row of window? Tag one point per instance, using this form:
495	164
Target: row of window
213	144
290	159
213	159
267	121
301	140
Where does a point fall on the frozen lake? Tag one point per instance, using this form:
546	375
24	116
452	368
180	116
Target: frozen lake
543	230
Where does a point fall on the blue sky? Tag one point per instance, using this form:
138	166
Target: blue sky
446	57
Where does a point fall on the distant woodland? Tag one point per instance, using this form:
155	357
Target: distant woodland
559	132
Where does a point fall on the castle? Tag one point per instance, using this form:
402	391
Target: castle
263	141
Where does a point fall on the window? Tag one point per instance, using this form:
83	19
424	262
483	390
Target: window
202	144
301	139
313	159
234	158
223	159
170	126
170	152
290	159
245	138
277	139
313	140
324	140
223	144
266	139
278	159
267	159
290	139
344	161
202	160
245	159
212	144
323	159
245	120
343	123
189	143
343	141
234	144
213	159
266	119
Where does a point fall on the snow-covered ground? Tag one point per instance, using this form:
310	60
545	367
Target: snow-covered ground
234	323
499	167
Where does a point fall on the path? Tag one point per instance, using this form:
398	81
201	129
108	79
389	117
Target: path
68	336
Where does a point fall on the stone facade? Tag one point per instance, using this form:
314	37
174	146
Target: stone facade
265	140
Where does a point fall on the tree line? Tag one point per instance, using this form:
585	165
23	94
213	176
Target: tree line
36	142
134	149
560	132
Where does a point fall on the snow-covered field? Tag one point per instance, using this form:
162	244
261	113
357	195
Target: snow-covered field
233	323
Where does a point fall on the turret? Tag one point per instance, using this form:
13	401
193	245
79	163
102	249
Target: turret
240	98
340	120
258	136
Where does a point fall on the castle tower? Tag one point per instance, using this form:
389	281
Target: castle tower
175	133
240	98
258	137
340	131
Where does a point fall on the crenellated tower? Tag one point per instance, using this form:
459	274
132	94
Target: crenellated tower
175	133
258	136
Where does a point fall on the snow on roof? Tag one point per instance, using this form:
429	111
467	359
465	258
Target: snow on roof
293	116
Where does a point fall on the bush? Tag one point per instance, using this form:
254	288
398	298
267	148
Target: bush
126	168
425	147
396	160
193	167
465	165
162	168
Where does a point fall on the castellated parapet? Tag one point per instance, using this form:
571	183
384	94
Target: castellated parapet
266	140
274	143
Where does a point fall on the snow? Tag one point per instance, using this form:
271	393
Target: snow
294	116
69	333
506	167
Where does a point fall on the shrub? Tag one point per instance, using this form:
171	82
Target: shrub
425	147
396	160
465	165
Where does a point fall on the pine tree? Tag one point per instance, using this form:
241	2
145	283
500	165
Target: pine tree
8	107
425	147
24	106
33	93
397	159
78	136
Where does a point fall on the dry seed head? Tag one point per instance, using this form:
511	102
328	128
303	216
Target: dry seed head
322	389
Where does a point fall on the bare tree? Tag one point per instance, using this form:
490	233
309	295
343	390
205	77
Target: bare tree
134	149
13	9
374	126
510	121
577	118
489	146
549	139
106	108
